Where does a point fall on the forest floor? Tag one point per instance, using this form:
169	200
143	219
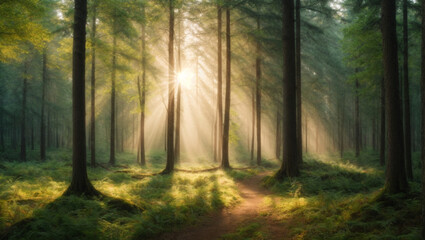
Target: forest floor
333	198
251	214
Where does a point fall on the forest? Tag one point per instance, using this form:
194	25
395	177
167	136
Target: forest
212	119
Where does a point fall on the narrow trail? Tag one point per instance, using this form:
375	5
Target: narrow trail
228	220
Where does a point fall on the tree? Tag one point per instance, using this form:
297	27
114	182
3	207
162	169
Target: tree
23	112
225	148
423	115
383	129
80	184
93	90
113	92
357	118
290	164
258	93
142	96
218	152
396	171
43	103
406	96
170	109
298	78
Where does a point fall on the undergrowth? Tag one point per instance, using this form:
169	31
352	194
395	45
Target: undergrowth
31	191
342	199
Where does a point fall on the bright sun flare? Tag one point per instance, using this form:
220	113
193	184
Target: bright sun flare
185	78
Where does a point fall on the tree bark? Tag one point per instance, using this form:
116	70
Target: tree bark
179	93
23	113
278	135
357	119
258	94
423	115
142	97
43	103
298	78
170	124
219	84
290	164
93	93
113	115
253	126
407	129
226	127
80	184
396	172
383	128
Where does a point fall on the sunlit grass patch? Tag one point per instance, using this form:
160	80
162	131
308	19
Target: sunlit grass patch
341	199
33	189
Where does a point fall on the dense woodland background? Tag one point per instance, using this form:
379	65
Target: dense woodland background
172	103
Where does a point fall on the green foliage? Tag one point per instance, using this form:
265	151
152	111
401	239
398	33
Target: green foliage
33	190
342	199
249	232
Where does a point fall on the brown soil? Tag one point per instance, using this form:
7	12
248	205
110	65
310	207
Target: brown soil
228	220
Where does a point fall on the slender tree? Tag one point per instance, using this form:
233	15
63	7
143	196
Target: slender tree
219	84
43	103
290	164
396	173
93	91
298	78
23	113
142	96
406	95
113	95
170	113
423	115
226	127
80	184
357	119
179	92
383	129
278	135
258	93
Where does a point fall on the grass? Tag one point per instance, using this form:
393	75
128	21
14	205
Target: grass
33	190
342	199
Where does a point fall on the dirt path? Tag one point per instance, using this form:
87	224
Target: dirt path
229	220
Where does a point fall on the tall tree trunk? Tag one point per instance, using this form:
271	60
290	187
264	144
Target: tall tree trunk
32	134
219	84
179	93
253	126
306	131
49	125
290	164
80	184
43	103
374	132
113	105
357	119
1	123
225	149
142	96
342	127
423	116
170	124
383	128
258	94
396	172
298	78
278	135
407	130
23	113
93	92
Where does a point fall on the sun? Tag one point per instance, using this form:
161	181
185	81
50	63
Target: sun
185	79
